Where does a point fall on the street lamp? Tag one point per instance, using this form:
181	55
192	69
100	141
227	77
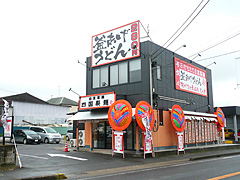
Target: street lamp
211	64
196	57
74	92
180	47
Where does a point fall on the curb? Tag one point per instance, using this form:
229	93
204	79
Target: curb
213	156
47	177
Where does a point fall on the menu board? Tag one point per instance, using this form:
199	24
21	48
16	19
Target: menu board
200	131
186	133
216	132
196	129
189	132
193	132
211	134
208	130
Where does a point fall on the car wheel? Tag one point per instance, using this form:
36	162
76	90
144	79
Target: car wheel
25	141
46	141
57	142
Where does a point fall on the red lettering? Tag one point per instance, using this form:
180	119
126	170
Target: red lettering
134	27
134	36
134	52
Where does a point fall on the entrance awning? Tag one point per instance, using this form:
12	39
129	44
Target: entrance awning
92	115
190	115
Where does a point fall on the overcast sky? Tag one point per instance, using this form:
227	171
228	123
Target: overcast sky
41	41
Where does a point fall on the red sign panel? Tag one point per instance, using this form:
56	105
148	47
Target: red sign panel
190	78
116	45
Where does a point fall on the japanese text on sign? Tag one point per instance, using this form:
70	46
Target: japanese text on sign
190	78
115	45
97	100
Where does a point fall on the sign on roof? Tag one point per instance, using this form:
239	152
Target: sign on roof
97	100
190	78
116	45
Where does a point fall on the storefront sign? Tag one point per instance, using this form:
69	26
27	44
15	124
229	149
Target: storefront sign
178	118
148	146
97	100
142	108
118	142
220	117
120	115
180	142
116	45
190	78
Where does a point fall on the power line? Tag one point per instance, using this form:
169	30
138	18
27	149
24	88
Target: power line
146	31
216	44
218	56
184	28
179	27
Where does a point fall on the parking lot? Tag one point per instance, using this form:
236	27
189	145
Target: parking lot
47	159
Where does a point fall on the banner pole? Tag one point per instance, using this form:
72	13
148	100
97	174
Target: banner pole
20	164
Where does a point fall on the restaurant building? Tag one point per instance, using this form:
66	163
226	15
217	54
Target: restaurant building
122	67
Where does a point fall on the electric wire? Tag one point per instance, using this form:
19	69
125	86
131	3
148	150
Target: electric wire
184	28
179	28
217	56
216	44
146	31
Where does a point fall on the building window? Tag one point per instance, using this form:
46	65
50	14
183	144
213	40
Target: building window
118	74
114	75
96	78
123	73
104	76
159	72
135	70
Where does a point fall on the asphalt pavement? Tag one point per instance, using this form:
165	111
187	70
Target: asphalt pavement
105	163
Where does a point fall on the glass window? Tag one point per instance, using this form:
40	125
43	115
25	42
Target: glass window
159	75
123	73
95	78
135	70
114	75
104	76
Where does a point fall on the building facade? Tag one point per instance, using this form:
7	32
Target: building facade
152	74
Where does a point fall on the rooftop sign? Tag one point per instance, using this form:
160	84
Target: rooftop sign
116	45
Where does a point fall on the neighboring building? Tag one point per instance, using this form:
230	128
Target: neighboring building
28	108
155	75
232	114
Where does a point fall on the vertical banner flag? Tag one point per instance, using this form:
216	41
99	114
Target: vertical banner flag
145	119
6	120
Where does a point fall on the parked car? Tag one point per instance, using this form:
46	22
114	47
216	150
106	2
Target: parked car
48	134
229	133
26	136
69	134
238	134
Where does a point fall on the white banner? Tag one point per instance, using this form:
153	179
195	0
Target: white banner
116	45
190	78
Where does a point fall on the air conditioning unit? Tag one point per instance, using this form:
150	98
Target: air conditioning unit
73	142
81	136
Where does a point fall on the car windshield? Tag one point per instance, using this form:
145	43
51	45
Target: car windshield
50	130
30	133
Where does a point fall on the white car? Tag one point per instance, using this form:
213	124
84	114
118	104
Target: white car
69	134
48	134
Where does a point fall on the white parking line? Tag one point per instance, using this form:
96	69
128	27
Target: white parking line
33	156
